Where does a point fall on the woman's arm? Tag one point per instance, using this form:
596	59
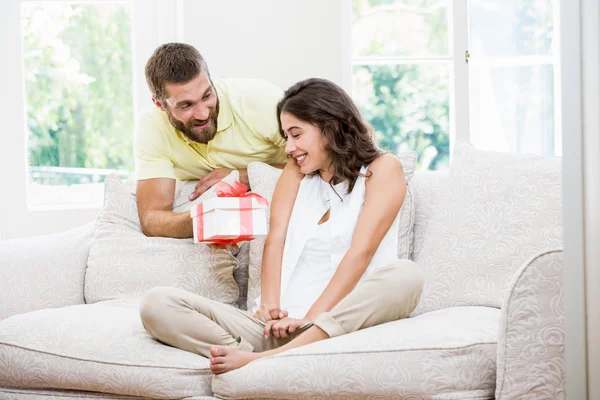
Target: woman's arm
382	203
282	204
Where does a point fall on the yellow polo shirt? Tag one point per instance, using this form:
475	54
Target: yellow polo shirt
247	130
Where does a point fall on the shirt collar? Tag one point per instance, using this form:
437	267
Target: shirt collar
225	117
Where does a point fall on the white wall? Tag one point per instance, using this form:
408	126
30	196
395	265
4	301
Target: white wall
590	46
580	43
281	41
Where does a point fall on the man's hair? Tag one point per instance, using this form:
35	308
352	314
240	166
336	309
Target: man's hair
350	140
173	63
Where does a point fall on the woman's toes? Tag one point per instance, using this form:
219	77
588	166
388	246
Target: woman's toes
217	360
217	368
218	351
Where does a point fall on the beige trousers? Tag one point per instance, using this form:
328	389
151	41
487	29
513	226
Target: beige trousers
195	323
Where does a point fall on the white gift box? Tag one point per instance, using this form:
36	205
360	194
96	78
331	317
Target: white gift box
229	218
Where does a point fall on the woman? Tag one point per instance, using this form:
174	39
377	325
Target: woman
330	259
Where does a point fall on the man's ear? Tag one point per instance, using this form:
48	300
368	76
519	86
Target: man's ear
158	104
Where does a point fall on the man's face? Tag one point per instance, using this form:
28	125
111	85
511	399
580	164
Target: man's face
193	108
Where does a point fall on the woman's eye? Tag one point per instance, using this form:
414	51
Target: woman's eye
295	135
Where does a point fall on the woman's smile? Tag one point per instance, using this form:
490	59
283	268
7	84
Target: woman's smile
300	159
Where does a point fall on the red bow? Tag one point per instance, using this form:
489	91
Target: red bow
237	189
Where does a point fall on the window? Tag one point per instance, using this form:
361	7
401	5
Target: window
77	61
401	75
412	82
513	76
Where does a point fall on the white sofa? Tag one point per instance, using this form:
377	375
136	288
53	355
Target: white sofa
484	329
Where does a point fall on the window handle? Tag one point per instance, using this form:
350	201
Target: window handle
467	56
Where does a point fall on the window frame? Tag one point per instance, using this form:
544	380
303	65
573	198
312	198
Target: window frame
153	22
459	90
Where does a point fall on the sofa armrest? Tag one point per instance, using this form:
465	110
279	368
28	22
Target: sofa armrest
531	344
43	271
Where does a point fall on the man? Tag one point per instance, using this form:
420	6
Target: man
198	130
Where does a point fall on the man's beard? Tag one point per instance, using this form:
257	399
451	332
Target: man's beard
190	131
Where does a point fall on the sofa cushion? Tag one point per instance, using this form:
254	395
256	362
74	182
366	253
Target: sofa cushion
100	347
496	211
124	263
53	394
263	179
426	188
43	271
447	354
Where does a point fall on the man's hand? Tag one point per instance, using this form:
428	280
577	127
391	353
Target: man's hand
282	328
232	246
213	177
268	312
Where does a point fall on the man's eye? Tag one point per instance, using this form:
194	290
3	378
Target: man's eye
207	95
185	107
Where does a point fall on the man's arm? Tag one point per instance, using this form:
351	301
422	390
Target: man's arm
155	201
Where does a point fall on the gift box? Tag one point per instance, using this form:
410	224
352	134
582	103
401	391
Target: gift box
231	217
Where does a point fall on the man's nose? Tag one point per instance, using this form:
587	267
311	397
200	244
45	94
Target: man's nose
201	112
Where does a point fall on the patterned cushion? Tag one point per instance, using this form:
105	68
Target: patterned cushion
100	347
32	394
124	263
496	211
263	179
408	359
426	188
44	271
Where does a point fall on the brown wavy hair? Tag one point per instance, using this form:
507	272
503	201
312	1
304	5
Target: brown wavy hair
349	140
173	63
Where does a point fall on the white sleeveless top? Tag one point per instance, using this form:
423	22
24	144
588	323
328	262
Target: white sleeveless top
311	275
314	198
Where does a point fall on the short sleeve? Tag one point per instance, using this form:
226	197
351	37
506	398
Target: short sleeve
263	113
151	148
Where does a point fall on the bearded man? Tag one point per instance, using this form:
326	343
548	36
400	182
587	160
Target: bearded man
198	130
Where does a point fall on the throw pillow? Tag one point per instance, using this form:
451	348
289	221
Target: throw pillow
497	211
124	263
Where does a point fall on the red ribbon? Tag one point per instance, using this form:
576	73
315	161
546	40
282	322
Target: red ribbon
239	190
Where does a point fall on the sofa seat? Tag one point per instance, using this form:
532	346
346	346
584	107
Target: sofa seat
99	347
49	394
444	354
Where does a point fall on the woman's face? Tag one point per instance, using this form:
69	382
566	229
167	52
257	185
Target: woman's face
306	144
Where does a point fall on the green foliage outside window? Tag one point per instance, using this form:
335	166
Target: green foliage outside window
78	83
407	104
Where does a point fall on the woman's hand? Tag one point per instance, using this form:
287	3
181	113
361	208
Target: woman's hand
269	312
283	327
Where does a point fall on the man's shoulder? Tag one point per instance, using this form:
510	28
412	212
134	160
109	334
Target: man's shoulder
239	89
153	121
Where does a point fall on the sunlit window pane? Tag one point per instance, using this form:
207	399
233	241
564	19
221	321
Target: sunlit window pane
511	27
78	83
408	105
400	28
512	109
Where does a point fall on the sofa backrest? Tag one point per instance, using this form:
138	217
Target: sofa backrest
425	187
476	226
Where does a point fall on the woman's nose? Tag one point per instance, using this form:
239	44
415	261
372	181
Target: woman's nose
290	146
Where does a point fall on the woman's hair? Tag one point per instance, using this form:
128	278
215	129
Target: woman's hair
349	140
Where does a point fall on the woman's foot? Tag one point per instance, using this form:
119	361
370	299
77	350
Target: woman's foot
224	359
